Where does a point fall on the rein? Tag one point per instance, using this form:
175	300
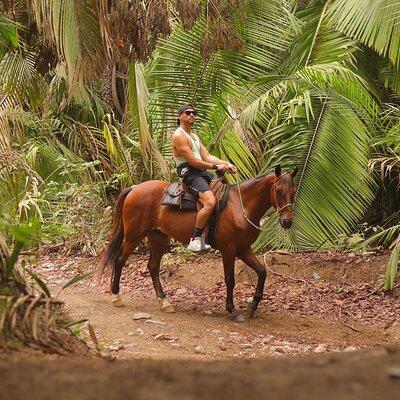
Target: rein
278	209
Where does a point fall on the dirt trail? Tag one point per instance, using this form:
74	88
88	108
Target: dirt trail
300	313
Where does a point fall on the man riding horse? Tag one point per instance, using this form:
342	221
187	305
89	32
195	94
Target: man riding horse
192	161
140	213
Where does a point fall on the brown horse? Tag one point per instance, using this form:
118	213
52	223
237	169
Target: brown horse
139	214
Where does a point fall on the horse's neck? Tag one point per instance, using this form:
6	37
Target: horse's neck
256	196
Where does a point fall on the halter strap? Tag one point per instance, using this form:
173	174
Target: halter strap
282	208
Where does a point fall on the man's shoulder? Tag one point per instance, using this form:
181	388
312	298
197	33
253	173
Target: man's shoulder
177	134
180	133
177	131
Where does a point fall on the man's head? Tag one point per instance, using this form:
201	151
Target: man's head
186	114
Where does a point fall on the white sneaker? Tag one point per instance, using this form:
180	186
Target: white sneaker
198	244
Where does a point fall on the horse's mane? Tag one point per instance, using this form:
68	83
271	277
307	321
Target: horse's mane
250	181
285	178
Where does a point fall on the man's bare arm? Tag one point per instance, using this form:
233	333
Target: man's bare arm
206	156
182	147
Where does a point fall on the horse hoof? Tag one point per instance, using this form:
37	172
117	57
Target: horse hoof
237	317
166	306
117	301
168	310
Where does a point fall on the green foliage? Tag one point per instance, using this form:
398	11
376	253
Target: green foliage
297	83
392	267
22	234
20	79
375	23
334	176
76	216
8	34
138	106
71	212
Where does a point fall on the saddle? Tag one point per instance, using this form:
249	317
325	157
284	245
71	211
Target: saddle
185	198
179	195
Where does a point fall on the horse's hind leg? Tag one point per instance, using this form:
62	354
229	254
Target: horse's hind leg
252	261
158	243
127	249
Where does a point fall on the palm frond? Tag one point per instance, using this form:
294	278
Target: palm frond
232	141
138	107
374	23
293	93
393	265
315	41
8	34
334	187
20	80
73	27
180	75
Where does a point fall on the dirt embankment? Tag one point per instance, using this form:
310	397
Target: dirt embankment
367	375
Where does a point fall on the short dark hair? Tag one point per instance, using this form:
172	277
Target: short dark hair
182	109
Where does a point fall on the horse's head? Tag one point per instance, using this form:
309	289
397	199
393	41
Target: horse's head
283	192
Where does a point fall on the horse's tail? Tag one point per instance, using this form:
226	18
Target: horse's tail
111	254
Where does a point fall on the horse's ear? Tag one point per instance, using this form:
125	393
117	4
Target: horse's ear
278	170
295	171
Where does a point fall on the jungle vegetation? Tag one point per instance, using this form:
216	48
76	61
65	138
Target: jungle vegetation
89	92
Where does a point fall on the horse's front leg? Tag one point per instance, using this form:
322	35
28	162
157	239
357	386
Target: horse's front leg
229	271
250	259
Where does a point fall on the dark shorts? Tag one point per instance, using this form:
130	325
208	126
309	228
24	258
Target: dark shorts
195	178
200	183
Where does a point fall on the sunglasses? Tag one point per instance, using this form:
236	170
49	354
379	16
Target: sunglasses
190	112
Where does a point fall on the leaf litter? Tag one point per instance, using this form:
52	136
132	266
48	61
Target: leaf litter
308	287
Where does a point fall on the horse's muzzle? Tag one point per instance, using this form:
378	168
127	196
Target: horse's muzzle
285	223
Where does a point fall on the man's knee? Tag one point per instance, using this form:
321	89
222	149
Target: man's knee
211	201
208	199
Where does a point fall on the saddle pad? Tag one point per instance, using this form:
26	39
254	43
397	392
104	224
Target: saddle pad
189	202
176	196
174	189
222	192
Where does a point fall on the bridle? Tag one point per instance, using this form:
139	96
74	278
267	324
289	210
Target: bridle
278	209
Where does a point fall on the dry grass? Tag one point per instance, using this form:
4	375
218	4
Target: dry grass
26	317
